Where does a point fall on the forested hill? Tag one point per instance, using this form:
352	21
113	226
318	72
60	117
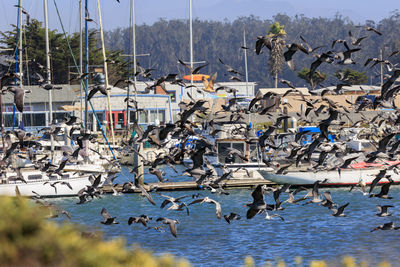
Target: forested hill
168	41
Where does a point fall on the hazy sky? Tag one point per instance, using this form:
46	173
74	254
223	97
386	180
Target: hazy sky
148	11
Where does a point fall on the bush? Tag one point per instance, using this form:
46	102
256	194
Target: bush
27	239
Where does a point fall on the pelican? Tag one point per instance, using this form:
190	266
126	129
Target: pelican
210	201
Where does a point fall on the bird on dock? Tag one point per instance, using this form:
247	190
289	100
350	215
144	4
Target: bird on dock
210	201
232	216
383	210
108	220
172	224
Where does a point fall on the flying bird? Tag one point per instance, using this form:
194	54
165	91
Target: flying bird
108	220
172	225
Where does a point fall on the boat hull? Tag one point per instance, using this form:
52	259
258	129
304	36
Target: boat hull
45	190
346	177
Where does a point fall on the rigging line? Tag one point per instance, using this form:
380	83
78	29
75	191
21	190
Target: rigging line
78	70
27	76
19	25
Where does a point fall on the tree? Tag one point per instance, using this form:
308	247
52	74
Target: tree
351	77
318	77
60	56
276	60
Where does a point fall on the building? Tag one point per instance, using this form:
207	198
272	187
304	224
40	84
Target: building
36	107
154	106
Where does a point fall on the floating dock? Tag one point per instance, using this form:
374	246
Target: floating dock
191	185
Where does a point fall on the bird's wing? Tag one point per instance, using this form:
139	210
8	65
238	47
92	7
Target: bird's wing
217	208
172	228
105	214
165	202
196	201
341	208
146	194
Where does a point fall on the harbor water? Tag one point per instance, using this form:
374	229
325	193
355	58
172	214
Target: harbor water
308	231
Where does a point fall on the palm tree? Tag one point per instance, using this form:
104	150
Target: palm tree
277	36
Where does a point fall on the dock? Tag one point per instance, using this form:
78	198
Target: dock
192	185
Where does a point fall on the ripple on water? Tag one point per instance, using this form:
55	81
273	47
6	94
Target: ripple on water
308	231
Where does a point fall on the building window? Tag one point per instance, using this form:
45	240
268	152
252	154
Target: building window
157	115
34	119
142	118
8	120
172	94
59	116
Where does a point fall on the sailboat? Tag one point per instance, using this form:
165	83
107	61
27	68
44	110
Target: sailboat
23	179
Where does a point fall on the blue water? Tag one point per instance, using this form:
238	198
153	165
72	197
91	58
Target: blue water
308	231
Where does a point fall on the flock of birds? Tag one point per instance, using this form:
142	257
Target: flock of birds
328	114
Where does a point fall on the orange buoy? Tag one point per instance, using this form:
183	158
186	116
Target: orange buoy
196	77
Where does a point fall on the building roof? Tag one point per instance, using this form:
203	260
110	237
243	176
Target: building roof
39	95
353	88
281	91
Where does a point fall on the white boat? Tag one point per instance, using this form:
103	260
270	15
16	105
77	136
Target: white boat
46	186
358	172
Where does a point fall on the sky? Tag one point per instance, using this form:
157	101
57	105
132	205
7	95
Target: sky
116	14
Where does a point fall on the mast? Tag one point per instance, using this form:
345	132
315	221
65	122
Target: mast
134	63
106	73
245	63
191	45
86	65
18	54
80	55
48	74
137	160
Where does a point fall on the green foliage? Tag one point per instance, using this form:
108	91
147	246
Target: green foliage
276	29
168	40
318	77
60	56
352	76
26	239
